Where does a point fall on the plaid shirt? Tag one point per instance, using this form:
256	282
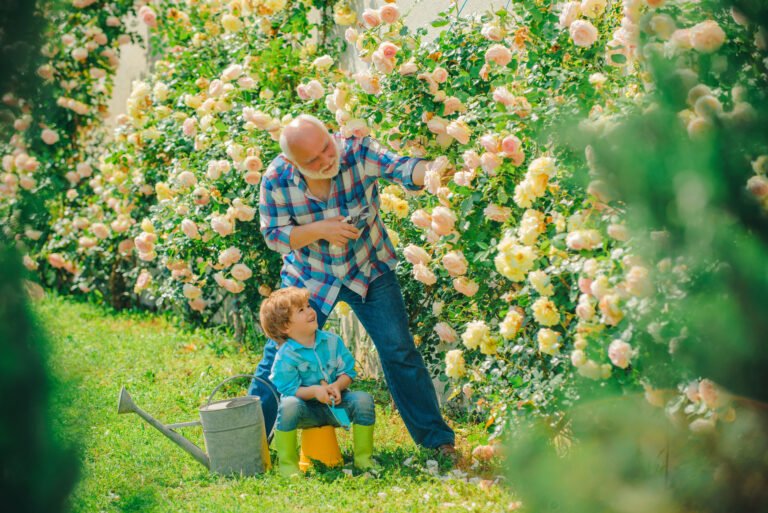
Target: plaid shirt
285	202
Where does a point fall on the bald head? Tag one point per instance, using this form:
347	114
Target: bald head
305	141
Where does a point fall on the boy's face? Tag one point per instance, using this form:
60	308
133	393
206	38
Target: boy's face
303	322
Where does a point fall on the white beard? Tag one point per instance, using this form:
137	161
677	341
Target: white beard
332	171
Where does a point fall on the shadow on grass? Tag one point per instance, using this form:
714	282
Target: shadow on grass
403	462
144	500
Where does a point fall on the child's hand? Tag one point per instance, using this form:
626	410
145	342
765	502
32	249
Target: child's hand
321	394
334	393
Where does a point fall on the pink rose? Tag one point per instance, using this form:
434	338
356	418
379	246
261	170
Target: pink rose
583	33
707	36
497	213
100	230
408	68
465	286
584	239
709	393
45	71
190	229
125	247
510	144
492	32
464	178
221	225
620	353
56	260
198	304
142	282
503	96
489	162
455	263
443	220
491	143
80	54
421	219
190	291
585	285
49	136
424	275
446	333
451	105
145	242
570	12
440	75
189	127
498	54
227	284
459	131
437	125
471	159
148	16
371	18
389	13
389	50
758	186
416	255
609	306
382	63
241	272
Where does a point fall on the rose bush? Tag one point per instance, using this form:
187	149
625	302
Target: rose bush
522	276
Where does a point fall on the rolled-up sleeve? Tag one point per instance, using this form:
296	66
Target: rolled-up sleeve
383	163
275	217
285	376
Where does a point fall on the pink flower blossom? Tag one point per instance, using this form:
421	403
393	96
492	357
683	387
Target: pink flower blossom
198	304
241	272
465	286
49	136
371	18
620	353
389	13
502	95
221	225
498	54
440	75
443	220
455	263
190	229
489	162
416	255
423	274
446	333
510	144
459	131
497	213
421	219
230	256
471	159
583	33
56	260
148	16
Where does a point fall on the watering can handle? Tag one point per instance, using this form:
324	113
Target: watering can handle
238	376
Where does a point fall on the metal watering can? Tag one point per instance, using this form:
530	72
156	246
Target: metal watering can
233	430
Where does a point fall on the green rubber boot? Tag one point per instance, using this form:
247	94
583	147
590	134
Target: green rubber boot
287	453
362	445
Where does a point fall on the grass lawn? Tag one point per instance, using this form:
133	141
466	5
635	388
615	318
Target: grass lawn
129	466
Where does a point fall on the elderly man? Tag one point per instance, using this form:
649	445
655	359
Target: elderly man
319	207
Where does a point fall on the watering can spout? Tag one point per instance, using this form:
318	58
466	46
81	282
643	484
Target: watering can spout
125	404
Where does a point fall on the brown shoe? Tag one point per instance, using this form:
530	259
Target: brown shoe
448	451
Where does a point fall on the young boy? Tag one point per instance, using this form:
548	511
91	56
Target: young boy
312	370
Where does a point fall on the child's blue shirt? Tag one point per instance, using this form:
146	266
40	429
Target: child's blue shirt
299	366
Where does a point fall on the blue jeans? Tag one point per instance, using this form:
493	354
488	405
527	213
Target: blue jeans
294	413
383	315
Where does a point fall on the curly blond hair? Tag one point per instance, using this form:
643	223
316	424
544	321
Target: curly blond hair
276	310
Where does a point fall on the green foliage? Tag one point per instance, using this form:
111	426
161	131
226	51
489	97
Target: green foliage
38	469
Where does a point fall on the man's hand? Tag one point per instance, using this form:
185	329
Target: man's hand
337	232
